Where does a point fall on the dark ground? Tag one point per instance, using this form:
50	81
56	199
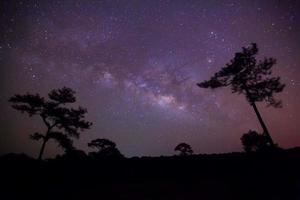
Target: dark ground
242	176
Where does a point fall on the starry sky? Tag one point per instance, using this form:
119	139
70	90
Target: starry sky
135	63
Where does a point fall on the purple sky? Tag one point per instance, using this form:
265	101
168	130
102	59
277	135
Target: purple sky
135	64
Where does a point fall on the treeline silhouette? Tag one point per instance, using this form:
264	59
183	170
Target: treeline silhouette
263	171
230	176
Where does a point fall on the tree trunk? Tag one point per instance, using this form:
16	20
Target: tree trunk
263	124
42	149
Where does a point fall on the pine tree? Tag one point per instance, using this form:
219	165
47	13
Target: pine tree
245	75
61	122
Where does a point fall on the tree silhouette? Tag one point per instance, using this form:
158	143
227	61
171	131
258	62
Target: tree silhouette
184	149
252	141
105	147
252	78
61	121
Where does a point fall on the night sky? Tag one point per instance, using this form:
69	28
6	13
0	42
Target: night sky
135	65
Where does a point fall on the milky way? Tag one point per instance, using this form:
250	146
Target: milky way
135	65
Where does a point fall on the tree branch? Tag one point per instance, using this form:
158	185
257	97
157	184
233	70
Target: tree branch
45	121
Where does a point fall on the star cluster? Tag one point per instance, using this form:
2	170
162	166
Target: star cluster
135	65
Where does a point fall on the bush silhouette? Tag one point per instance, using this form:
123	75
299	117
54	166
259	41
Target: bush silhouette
184	149
252	141
245	75
61	121
106	148
73	155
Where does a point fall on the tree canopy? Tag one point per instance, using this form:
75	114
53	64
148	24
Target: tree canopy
244	74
